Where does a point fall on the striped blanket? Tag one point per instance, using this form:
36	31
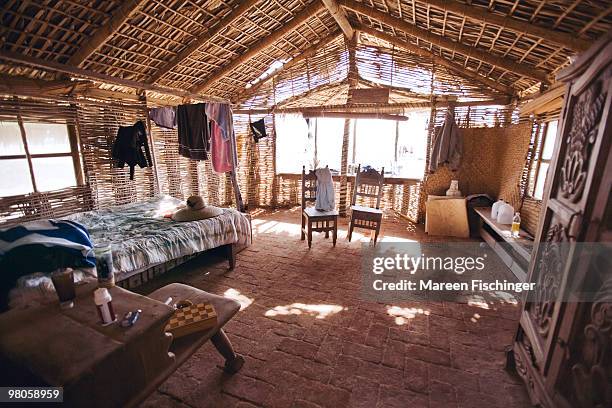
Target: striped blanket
41	246
45	245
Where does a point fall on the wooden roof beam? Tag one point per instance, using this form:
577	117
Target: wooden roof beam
376	108
303	55
482	15
202	39
471	52
95	76
453	66
119	16
340	16
260	45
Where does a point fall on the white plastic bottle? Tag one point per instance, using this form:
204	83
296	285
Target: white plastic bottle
104	304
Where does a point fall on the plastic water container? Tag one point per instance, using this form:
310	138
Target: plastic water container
505	214
495	208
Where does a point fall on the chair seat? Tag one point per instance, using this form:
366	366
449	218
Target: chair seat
312	212
370	210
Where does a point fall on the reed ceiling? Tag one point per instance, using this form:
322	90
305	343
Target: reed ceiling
219	48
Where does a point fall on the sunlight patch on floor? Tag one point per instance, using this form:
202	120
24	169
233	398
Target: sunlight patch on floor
318	311
234	294
403	314
478	301
261	226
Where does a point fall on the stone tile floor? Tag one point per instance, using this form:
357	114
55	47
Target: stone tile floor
310	341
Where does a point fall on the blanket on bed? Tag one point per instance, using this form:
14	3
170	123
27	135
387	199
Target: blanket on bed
141	237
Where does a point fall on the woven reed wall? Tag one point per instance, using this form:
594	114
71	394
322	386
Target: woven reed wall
492	163
181	177
98	124
530	214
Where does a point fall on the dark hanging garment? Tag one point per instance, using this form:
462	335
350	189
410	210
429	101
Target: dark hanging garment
131	147
193	133
259	129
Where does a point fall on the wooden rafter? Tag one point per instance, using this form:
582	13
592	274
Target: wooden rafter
203	39
95	76
299	19
472	52
453	66
482	15
380	108
122	14
303	55
340	16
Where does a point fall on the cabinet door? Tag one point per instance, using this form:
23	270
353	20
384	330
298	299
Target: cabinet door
554	332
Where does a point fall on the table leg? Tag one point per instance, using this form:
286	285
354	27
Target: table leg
233	361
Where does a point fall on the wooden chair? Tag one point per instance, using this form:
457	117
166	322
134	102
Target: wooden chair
314	220
368	183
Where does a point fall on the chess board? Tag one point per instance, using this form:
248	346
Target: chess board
191	319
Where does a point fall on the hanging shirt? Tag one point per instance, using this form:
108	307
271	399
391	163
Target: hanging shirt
326	198
446	147
164	117
221	114
220	150
193	133
131	147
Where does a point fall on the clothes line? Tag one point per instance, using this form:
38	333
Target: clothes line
204	128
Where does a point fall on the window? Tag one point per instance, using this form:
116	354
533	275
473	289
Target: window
398	146
542	163
312	143
43	163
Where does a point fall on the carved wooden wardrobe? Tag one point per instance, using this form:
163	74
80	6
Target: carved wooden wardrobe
563	347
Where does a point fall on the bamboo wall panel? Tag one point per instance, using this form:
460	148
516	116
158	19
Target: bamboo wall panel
98	124
492	163
52	204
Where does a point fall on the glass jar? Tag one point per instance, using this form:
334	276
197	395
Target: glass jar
104	264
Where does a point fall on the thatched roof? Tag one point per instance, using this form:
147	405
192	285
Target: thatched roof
229	49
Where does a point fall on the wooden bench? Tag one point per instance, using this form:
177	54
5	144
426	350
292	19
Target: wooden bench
514	252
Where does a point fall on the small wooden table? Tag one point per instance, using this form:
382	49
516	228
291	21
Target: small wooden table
101	365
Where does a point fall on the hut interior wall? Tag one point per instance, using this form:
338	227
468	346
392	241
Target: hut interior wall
496	148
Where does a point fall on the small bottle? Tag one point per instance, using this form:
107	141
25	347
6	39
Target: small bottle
104	304
516	225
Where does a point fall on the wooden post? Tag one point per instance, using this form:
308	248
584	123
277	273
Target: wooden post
353	78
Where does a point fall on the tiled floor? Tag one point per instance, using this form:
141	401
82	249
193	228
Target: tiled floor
310	341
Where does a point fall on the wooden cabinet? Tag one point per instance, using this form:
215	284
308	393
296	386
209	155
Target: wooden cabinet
563	347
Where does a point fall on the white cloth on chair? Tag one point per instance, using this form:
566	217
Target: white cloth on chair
326	198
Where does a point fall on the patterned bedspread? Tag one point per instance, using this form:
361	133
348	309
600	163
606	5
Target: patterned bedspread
141	237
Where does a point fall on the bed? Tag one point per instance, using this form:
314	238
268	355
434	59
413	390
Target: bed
143	239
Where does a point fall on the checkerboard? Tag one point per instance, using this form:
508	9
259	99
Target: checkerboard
191	319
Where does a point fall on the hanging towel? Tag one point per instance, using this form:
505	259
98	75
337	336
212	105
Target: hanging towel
326	198
220	150
164	117
259	129
446	147
193	133
221	114
131	147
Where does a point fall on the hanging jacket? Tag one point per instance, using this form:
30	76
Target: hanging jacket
131	147
446	147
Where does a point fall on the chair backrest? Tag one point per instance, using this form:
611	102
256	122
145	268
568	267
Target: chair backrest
368	183
309	187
